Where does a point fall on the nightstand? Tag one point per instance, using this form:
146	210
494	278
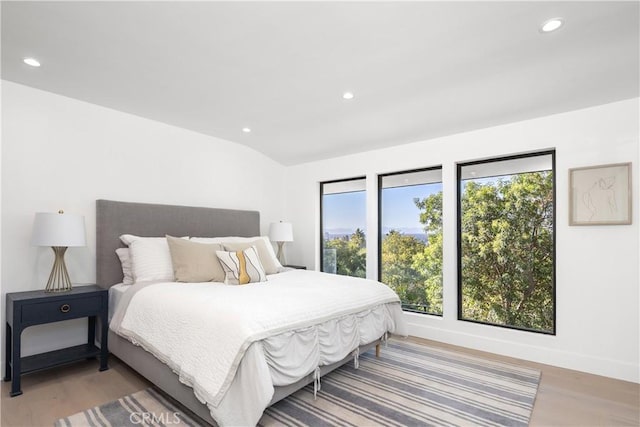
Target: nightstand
297	267
26	309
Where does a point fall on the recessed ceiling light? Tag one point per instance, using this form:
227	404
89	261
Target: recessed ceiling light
551	25
246	130
347	95
31	61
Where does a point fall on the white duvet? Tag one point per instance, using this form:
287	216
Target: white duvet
203	330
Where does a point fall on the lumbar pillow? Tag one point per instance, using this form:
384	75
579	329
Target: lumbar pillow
242	267
195	262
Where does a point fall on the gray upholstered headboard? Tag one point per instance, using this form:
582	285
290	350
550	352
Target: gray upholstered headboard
150	220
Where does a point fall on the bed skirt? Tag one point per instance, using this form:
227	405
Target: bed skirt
166	380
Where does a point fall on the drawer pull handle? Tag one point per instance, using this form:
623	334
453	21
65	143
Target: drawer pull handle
65	308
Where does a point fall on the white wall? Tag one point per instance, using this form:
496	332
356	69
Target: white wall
60	153
597	266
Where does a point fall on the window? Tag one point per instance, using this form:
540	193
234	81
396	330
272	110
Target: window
506	243
343	227
410	221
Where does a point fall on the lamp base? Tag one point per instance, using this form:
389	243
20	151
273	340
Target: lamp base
280	254
59	278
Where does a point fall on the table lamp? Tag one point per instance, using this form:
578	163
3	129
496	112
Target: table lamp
281	232
60	231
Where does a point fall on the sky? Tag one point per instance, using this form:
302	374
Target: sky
343	213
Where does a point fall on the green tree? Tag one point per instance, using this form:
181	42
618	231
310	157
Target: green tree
351	254
428	262
507	251
398	271
412	267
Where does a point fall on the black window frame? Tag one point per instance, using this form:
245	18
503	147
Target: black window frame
322	184
380	235
459	167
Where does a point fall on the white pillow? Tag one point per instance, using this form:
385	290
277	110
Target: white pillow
125	262
223	240
150	258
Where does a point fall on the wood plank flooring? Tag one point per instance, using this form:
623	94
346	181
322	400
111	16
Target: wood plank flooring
565	397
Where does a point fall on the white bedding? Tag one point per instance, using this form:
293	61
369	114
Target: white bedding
280	331
116	293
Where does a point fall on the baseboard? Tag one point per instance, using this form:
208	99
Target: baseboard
569	360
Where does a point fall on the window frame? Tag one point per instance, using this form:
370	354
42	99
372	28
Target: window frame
459	167
380	235
322	184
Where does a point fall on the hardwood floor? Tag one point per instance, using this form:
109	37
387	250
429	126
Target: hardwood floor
565	397
55	393
572	398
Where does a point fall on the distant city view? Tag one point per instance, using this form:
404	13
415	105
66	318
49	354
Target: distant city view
344	213
345	233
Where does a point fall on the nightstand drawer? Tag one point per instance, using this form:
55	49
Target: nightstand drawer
53	311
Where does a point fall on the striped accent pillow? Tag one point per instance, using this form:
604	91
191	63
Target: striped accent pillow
242	267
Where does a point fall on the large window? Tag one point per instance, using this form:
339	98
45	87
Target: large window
506	265
410	219
343	227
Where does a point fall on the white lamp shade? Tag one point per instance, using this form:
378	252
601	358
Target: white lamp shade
55	229
281	232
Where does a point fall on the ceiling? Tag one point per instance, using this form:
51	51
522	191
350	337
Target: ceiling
418	70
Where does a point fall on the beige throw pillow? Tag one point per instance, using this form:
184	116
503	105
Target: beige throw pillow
236	239
269	265
195	262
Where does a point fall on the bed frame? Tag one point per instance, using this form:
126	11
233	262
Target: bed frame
151	220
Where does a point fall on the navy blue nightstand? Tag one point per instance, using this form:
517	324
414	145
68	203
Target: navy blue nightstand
26	309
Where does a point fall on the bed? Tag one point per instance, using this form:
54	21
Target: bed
114	219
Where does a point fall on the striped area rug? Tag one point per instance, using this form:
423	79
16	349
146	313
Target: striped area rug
142	408
414	385
408	385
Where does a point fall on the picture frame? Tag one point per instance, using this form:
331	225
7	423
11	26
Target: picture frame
600	195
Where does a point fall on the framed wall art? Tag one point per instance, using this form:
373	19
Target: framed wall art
600	195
